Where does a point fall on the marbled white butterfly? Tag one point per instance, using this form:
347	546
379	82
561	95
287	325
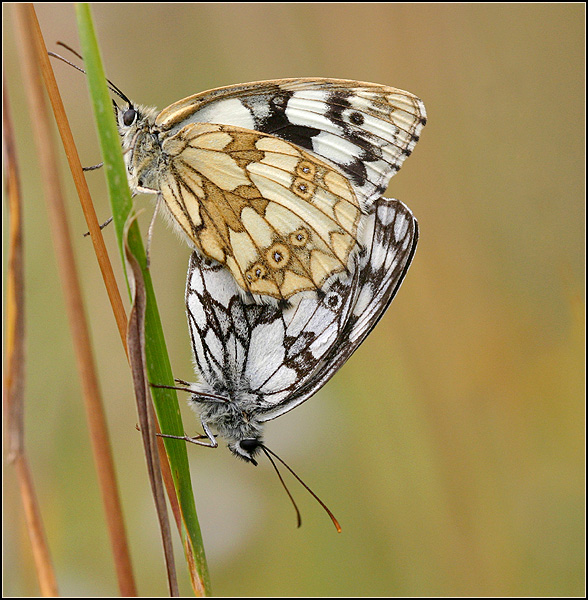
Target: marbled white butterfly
270	178
258	361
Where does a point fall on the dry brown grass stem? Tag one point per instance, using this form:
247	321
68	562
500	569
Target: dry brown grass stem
33	53
79	178
14	375
147	419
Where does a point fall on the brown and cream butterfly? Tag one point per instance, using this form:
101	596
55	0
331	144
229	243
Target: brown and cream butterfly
271	179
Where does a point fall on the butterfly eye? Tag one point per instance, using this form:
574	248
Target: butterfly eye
247	448
129	116
249	444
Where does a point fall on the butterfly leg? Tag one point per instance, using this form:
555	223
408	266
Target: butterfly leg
150	230
93	167
208	435
212	440
107	222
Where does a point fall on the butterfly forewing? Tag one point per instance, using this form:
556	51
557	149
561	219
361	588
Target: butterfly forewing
279	218
271	178
393	235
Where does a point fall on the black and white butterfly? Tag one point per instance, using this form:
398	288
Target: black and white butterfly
271	178
258	361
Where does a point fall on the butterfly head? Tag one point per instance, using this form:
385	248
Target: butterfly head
232	419
140	143
131	118
246	449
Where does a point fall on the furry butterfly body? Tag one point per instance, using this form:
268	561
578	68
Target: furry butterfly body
271	178
258	361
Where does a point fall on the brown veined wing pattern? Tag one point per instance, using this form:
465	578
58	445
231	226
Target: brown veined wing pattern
280	219
271	178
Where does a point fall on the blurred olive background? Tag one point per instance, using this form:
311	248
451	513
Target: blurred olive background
451	446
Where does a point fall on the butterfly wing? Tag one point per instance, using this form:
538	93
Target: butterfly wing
257	355
365	129
390	239
279	218
269	359
220	328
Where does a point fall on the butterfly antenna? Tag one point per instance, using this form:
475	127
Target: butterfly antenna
298	518
67	62
113	88
269	452
74	52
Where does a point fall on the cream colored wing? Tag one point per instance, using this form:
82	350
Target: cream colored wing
281	219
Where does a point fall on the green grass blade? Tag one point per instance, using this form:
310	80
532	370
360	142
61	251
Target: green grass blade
158	364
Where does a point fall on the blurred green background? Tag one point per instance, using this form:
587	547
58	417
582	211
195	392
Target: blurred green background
451	446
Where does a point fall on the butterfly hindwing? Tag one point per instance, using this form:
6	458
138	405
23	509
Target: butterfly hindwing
267	359
259	353
365	129
389	239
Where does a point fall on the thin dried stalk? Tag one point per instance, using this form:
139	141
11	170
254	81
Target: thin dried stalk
14	374
158	363
15	316
32	50
77	172
147	420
